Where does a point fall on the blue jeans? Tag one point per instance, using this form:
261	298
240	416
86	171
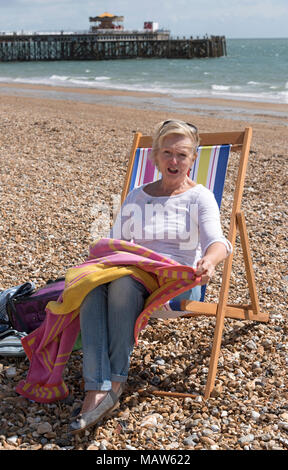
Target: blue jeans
192	294
107	318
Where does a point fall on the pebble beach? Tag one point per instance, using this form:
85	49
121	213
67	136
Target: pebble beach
61	159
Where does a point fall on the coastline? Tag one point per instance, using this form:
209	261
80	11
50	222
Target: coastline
62	156
230	108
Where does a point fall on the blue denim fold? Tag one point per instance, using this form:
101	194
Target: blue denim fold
107	319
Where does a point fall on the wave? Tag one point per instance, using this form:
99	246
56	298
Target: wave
221	87
60	80
59	77
269	97
225	87
102	78
173	89
83	80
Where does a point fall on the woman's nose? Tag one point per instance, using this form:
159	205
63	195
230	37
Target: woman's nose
173	158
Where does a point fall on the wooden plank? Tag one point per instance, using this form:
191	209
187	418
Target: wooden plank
220	316
221	138
205	140
162	393
214	138
239	312
145	141
135	145
248	261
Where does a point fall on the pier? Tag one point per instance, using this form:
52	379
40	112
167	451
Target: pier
91	47
106	40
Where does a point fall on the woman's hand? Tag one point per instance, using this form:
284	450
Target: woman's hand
205	268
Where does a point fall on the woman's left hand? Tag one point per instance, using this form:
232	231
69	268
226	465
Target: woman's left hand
205	268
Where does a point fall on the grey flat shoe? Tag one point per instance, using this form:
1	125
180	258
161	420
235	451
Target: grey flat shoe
90	418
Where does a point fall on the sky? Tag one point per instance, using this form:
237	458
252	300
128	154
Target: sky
232	18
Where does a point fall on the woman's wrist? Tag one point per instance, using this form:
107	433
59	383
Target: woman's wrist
207	264
215	253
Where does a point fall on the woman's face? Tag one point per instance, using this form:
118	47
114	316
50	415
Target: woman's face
174	158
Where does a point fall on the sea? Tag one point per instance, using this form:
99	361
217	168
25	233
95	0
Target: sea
253	70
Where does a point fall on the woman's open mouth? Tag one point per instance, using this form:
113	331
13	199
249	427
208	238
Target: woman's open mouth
173	171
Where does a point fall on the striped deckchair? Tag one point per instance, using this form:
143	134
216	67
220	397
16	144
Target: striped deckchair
209	169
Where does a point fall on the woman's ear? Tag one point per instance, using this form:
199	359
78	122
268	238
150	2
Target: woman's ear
194	157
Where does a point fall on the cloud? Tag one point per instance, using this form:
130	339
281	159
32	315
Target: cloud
242	18
256	9
240	9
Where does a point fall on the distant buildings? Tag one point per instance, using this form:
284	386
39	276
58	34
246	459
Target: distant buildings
107	26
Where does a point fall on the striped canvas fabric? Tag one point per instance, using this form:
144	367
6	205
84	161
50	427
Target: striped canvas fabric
208	169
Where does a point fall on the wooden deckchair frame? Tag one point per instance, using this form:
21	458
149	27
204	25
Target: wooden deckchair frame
239	141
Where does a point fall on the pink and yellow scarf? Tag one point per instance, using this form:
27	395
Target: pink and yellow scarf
49	347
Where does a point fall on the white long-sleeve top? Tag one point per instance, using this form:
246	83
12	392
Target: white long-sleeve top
180	227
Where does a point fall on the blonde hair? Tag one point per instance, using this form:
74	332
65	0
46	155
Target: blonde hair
165	128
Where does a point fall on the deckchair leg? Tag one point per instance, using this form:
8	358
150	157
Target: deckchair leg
220	314
215	352
248	262
220	317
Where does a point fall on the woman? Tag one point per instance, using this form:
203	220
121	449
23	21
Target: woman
173	216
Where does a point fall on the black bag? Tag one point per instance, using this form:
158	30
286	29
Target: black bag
28	312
